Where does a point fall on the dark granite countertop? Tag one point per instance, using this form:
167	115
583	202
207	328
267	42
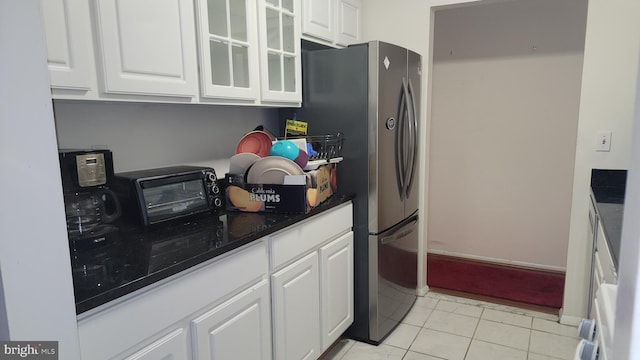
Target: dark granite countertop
608	188
140	257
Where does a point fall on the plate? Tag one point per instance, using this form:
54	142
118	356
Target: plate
257	142
240	163
272	170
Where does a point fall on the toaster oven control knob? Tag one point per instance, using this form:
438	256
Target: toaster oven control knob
211	176
217	202
215	189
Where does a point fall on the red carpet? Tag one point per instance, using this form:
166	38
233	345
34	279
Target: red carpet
531	286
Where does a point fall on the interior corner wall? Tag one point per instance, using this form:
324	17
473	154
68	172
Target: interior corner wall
611	55
505	96
36	300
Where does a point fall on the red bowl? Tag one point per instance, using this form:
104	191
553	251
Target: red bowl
257	142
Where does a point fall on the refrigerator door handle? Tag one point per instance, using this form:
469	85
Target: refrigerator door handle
413	140
404	135
400	155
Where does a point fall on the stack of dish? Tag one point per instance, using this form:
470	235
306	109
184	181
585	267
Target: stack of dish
260	163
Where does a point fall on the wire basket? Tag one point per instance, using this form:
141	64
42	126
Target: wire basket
326	146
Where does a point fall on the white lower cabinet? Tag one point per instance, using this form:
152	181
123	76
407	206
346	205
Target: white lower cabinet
171	346
336	288
238	329
603	270
288	296
296	310
312	284
155	324
607	269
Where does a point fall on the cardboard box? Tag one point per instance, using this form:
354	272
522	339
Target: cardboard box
306	192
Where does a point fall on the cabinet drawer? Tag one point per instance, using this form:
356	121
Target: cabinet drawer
603	255
133	321
597	268
604	267
595	285
172	345
310	234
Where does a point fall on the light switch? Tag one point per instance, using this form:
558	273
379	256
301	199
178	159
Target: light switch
604	141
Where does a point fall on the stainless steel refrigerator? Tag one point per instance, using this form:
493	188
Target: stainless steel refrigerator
371	93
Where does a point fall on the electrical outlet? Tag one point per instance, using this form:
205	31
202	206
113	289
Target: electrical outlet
604	141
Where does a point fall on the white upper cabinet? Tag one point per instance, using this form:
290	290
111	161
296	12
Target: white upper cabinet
318	19
281	79
208	51
228	49
147	47
249	51
332	22
69	45
348	22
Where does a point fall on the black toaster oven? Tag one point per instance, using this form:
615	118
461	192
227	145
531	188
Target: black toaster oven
156	195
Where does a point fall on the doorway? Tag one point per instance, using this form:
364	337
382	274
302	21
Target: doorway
505	96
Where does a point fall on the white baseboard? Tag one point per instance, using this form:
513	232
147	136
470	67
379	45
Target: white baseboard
422	291
499	261
569	320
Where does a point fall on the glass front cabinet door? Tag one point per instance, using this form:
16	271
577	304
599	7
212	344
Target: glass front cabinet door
279	22
228	49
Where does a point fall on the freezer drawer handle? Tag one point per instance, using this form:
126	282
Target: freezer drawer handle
394	237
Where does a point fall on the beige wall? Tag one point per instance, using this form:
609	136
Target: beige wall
153	137
36	287
505	96
607	103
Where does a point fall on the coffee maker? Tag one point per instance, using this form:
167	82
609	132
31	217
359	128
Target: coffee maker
90	207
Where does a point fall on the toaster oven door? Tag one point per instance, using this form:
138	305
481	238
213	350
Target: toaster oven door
165	200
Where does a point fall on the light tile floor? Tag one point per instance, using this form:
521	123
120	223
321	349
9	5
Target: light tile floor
447	327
